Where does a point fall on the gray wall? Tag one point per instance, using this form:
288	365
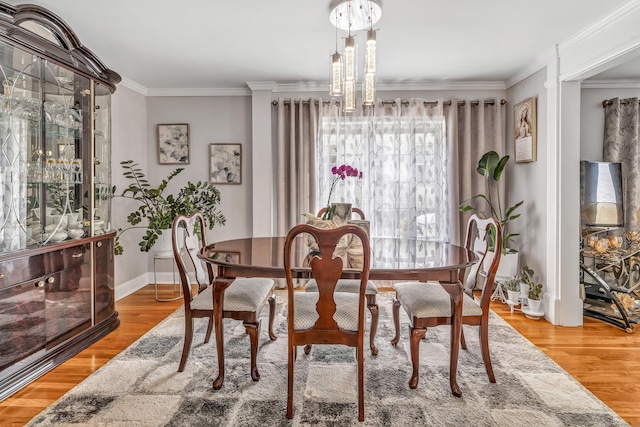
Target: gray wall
211	120
129	130
528	181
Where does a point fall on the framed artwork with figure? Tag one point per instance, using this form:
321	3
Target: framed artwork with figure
226	163
525	131
173	144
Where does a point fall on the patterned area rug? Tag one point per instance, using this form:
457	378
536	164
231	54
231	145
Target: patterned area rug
141	386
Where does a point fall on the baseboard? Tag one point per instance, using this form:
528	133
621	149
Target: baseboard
127	288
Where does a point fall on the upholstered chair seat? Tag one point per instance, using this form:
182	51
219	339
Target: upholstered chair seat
241	295
431	300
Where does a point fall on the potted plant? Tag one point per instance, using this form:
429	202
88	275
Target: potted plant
491	167
535	289
157	210
512	286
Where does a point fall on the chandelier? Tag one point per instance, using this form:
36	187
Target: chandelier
352	16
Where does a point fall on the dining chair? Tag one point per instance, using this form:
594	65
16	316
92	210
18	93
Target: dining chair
243	299
352	286
326	316
429	304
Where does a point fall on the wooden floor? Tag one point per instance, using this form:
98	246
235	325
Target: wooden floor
603	358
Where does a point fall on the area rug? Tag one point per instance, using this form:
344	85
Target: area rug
141	386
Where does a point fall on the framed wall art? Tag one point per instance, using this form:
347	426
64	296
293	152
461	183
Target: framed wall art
226	163
173	144
525	131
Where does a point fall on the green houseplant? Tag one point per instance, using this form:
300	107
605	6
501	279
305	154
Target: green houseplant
512	286
157	210
491	166
535	289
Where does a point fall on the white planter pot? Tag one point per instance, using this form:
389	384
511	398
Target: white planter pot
508	266
163	248
513	297
534	304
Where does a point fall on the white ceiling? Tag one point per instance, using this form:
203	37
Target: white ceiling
160	44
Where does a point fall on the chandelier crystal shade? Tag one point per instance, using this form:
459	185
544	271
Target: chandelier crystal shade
351	16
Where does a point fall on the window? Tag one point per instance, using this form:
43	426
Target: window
403	158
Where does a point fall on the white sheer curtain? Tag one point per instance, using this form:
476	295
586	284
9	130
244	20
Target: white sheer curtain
401	149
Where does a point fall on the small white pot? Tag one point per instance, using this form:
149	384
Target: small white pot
534	304
513	297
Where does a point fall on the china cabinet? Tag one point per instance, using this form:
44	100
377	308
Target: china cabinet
56	243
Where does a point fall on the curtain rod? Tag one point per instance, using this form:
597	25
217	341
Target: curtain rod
306	101
608	102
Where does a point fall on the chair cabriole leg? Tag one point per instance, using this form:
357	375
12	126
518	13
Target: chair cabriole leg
416	336
272	316
484	346
188	337
253	329
373	308
396	321
207	337
291	361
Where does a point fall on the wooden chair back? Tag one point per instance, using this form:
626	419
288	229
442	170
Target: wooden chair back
480	234
194	241
326	270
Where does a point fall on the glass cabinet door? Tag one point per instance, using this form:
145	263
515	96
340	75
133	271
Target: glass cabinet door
66	103
54	185
102	159
20	146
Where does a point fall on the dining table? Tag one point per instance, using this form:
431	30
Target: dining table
393	259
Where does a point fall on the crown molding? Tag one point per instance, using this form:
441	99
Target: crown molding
538	64
130	84
442	85
602	24
312	87
574	41
396	86
230	91
269	85
610	84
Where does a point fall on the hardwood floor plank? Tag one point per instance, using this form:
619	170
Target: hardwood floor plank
602	357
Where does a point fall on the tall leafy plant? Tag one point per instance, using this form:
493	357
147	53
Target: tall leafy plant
157	211
491	167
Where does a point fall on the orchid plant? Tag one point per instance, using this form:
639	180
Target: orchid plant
341	173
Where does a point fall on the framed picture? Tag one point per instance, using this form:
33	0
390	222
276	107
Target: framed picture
173	144
525	131
226	163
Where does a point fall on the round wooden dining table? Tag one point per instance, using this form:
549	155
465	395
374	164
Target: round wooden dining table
393	259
